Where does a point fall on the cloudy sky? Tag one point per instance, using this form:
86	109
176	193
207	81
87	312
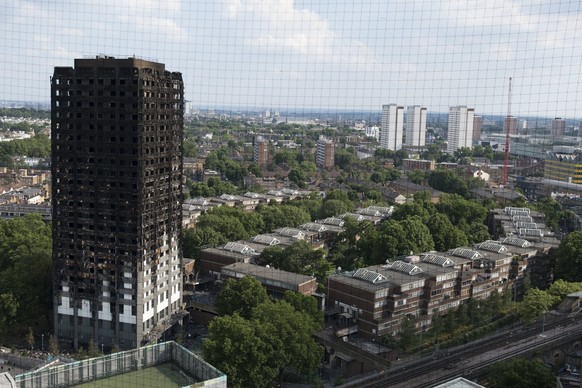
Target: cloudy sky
322	54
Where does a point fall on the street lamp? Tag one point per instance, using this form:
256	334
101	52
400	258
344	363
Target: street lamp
102	345
42	342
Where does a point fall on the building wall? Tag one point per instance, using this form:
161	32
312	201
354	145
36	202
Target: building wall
460	128
477	125
558	127
261	151
416	126
325	154
392	127
563	170
116	187
415	164
511	123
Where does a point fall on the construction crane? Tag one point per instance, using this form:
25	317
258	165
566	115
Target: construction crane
507	129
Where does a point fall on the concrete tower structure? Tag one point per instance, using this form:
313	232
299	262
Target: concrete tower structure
261	151
513	125
460	128
558	127
325	153
392	127
477	126
117	130
416	126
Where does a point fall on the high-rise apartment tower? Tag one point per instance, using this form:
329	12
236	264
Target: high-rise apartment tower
513	125
558	127
261	151
116	186
460	128
392	127
477	125
416	126
325	153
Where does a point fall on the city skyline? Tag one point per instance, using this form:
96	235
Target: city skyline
298	55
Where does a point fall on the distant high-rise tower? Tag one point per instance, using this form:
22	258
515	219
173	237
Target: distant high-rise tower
416	126
261	151
477	125
392	127
513	125
325	153
460	128
558	127
117	129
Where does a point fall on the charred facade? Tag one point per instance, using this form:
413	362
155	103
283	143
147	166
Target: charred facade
117	129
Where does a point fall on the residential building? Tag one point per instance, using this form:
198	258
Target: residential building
418	164
511	123
261	151
117	130
325	153
564	166
416	126
392	127
477	126
558	127
460	128
420	287
276	282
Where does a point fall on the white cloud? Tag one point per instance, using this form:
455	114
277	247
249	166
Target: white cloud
491	13
277	25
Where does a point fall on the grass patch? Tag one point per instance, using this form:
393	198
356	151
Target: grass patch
167	375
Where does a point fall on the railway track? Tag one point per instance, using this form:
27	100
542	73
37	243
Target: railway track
450	363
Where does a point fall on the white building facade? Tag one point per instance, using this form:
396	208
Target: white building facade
392	127
416	125
460	128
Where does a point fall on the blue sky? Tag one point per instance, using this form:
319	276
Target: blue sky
334	54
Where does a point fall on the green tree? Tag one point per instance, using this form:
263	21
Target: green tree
231	228
8	310
448	181
92	350
195	239
297	176
298	257
53	345
344	158
26	266
444	234
520	373
293	216
30	338
417	176
332	208
406	335
378	244
290	331
239	348
477	232
561	289
241	297
569	258
305	304
459	209
346	252
536	303
407	210
418	238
